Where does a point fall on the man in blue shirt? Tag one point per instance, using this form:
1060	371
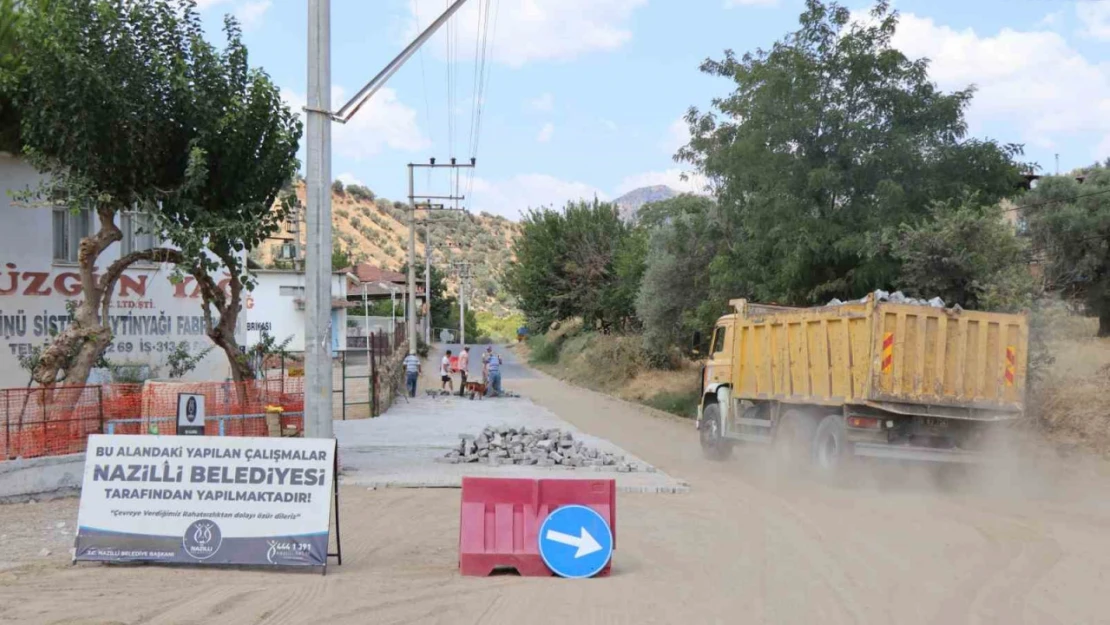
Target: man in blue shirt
494	367
412	372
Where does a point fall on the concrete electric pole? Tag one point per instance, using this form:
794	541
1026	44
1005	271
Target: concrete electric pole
318	369
428	280
318	378
463	269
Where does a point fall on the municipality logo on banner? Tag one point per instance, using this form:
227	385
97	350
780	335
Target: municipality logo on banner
206	500
202	539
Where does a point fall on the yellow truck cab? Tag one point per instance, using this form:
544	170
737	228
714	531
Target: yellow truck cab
867	378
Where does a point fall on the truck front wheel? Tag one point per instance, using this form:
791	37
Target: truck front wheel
831	455
713	444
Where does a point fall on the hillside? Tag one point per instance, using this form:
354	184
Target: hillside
375	230
630	202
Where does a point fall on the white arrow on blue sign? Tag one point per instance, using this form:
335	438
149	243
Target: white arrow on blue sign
575	542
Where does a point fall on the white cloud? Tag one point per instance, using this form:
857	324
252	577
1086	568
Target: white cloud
535	30
203	5
512	196
545	103
250	14
695	183
1095	17
383	122
740	3
1033	80
546	132
348	179
609	125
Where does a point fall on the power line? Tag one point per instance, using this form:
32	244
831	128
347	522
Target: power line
450	91
488	46
423	76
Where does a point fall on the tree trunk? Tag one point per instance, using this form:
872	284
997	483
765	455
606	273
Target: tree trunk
74	352
227	304
1104	323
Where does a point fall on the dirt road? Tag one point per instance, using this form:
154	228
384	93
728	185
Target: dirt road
744	546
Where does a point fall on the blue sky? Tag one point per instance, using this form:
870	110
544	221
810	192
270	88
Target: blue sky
585	96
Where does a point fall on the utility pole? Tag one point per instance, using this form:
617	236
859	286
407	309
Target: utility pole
463	269
431	164
318	366
428	280
428	322
318	385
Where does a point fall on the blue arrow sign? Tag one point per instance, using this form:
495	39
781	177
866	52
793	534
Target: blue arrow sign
575	541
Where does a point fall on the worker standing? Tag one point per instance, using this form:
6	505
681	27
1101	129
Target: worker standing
494	366
412	372
464	368
485	364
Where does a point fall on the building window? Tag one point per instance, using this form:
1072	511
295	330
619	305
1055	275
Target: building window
69	228
291	291
136	233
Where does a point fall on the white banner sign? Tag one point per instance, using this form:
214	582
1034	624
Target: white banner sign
211	500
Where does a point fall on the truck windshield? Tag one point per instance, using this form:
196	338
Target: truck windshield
719	340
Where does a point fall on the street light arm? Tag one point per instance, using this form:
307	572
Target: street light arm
344	114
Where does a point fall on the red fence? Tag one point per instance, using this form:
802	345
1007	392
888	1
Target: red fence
47	422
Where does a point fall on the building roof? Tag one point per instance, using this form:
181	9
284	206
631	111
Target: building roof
369	273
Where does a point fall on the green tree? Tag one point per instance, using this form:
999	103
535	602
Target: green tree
340	257
675	290
441	303
968	255
566	266
125	106
337	187
831	137
1069	224
473	333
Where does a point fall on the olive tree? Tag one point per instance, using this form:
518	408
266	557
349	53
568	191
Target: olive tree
125	106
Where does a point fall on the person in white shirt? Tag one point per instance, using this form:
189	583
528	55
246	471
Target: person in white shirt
445	373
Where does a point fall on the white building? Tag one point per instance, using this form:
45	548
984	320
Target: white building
276	305
150	315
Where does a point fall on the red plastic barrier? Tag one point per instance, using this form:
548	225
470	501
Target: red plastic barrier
499	520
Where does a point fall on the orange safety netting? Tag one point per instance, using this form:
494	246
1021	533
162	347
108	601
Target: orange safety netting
45	422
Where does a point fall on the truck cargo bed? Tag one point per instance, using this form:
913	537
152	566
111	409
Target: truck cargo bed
898	357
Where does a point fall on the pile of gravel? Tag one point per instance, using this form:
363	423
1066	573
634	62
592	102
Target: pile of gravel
539	447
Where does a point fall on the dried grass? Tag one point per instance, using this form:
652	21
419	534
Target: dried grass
1071	401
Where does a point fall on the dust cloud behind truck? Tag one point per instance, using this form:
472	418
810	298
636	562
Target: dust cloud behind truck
868	378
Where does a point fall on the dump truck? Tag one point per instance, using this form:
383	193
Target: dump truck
869	378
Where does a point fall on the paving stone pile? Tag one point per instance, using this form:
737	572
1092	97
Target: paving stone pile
538	447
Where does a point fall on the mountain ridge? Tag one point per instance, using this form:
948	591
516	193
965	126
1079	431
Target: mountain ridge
629	203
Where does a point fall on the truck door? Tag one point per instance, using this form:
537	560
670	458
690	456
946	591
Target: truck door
718	369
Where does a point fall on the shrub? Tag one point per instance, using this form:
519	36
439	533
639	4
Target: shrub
543	351
360	192
681	404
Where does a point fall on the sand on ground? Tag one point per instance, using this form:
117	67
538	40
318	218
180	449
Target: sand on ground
746	545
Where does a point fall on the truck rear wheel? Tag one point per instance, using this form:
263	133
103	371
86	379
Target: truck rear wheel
831	455
713	444
793	439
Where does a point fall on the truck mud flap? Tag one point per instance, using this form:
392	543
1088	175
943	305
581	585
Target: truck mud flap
919	454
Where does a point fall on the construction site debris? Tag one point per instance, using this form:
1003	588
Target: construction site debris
539	447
